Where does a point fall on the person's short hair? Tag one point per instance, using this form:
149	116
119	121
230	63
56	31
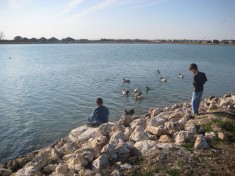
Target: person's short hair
99	101
193	66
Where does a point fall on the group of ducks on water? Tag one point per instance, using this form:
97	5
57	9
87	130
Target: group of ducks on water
137	93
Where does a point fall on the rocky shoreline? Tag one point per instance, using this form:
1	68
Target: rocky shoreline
164	141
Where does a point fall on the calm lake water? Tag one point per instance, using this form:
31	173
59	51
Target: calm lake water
47	90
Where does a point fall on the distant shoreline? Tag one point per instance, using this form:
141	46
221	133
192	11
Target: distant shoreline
120	41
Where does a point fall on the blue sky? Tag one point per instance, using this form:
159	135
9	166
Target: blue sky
95	19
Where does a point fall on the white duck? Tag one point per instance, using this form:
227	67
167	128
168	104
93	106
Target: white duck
125	92
181	76
163	79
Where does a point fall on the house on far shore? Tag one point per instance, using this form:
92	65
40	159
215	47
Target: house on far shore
18	38
68	40
53	40
42	40
33	40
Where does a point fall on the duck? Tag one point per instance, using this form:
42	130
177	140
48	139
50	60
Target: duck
147	88
158	72
139	95
125	92
126	80
181	76
163	79
129	111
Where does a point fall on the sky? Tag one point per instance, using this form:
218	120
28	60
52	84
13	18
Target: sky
118	19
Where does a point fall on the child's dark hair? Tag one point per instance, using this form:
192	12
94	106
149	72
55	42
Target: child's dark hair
193	66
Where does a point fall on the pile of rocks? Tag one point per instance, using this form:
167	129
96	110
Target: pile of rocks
88	150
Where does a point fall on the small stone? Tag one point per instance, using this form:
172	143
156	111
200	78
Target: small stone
210	136
158	131
221	136
50	168
118	138
183	137
165	139
62	169
105	129
139	134
146	147
115	173
125	120
99	142
156	121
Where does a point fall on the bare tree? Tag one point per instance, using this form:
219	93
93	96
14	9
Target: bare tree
1	35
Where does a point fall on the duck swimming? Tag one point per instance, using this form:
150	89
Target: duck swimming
163	79
136	90
181	76
158	72
139	95
147	88
125	92
126	80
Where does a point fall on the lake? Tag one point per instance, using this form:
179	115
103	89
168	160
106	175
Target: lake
47	90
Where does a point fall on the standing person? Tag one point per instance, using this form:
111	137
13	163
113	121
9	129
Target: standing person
199	79
99	115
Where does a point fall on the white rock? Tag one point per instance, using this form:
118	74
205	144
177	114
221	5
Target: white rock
100	162
139	134
118	138
201	143
125	166
137	122
191	129
99	141
83	133
158	131
221	136
125	120
77	163
128	131
28	171
146	147
183	137
166	145
156	121
210	135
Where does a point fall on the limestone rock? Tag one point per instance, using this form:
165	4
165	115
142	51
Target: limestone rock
137	122
166	146
201	143
146	147
158	131
50	168
122	151
191	129
165	139
118	138
128	131
62	169
139	134
115	173
156	121
77	163
105	129
28	171
210	136
88	155
124	120
5	172
183	137
155	112
99	141
83	133
100	162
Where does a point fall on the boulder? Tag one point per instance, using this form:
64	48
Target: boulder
125	120
42	159
99	141
105	129
165	139
5	172
83	133
158	131
137	122
201	143
28	171
62	169
50	168
155	112
100	162
109	150
118	138
146	147
156	121
76	163
139	134
128	131
191	129
122	151
183	137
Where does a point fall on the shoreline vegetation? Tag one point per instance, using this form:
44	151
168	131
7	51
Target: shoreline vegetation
69	40
163	141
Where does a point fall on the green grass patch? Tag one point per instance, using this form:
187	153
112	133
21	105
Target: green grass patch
188	146
173	172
